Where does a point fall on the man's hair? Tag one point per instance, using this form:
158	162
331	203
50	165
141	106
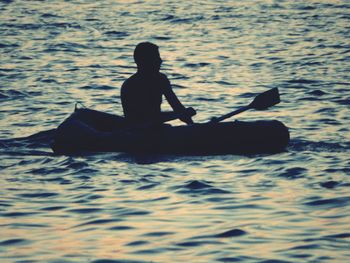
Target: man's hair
145	51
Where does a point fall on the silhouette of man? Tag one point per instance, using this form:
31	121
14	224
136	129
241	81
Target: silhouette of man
142	93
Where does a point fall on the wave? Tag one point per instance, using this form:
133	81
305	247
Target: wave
314	146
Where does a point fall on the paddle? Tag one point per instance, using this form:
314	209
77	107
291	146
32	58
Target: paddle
165	117
169	116
261	102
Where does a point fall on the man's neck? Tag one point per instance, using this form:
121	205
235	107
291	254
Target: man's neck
147	72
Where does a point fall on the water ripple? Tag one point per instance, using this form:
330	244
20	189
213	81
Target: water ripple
218	55
12	242
331	202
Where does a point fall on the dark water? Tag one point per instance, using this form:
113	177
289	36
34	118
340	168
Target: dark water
287	207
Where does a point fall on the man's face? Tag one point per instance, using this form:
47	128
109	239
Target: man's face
150	61
154	62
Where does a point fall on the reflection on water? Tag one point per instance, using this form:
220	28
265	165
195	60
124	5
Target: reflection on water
287	207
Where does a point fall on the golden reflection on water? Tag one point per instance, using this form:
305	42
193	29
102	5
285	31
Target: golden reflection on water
62	53
64	236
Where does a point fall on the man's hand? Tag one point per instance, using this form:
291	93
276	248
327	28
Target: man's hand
187	114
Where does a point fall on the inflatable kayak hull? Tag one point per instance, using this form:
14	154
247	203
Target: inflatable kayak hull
94	131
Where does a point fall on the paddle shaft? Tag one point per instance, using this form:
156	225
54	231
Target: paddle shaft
262	101
230	114
169	116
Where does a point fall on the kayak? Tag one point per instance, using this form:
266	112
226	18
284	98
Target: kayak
87	130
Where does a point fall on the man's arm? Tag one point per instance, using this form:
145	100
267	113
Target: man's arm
175	102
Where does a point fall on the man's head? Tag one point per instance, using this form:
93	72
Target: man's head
146	56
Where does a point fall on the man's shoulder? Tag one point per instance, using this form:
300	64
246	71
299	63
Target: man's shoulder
129	81
131	78
136	79
163	78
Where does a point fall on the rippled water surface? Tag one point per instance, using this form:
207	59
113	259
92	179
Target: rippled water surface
288	207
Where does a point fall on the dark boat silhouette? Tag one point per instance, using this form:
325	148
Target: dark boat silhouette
87	130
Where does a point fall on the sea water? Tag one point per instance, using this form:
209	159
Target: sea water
113	207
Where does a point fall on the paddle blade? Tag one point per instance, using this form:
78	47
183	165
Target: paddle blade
267	99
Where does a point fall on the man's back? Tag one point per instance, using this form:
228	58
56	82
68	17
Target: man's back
141	97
